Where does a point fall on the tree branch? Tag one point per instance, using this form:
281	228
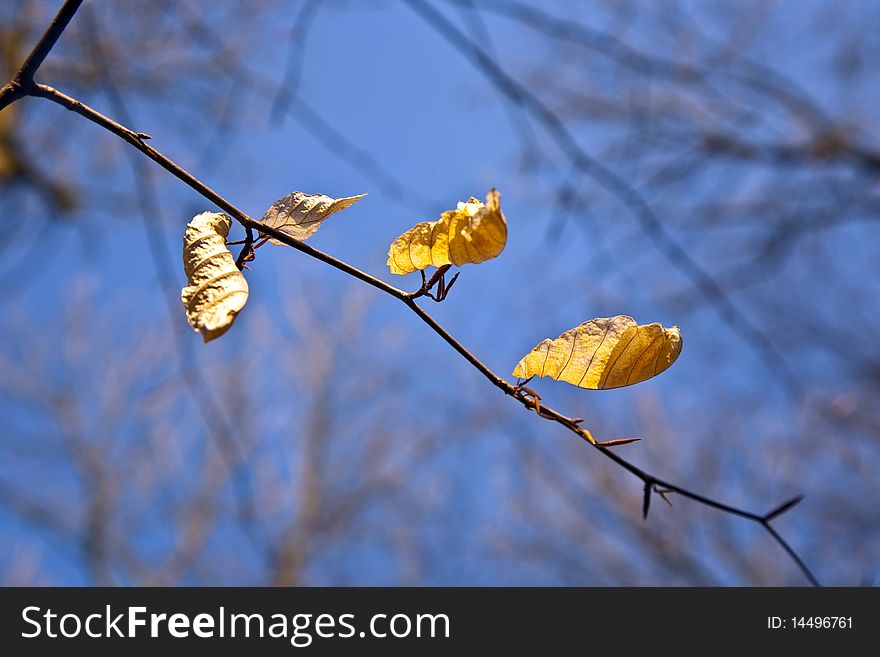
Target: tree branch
19	84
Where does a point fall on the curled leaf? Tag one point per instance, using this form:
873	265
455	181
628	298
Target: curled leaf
472	233
300	215
216	290
608	352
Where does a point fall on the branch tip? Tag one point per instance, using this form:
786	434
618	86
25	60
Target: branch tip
782	508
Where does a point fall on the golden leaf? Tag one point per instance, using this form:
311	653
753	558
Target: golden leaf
216	290
300	215
472	233
608	352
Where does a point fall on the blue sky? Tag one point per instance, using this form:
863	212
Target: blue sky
379	75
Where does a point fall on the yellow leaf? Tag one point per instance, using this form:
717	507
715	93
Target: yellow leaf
472	233
608	352
216	290
300	215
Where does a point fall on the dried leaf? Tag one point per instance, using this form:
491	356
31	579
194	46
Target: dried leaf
300	215
608	352
472	233
216	289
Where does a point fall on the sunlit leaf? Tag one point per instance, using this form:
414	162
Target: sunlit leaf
608	352
216	290
300	215
472	233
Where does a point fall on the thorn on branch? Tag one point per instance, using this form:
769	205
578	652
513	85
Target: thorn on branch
663	492
782	508
651	487
143	136
617	442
